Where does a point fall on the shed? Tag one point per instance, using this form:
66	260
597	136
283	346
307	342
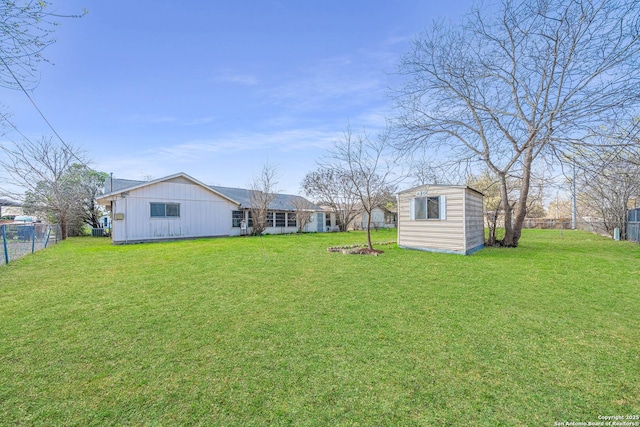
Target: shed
441	218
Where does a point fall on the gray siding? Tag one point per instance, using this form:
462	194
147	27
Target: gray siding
474	220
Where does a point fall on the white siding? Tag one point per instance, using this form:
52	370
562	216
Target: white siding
202	213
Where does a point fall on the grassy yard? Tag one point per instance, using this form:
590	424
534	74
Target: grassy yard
224	332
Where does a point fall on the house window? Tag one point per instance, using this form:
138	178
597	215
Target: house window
236	218
428	208
390	218
249	219
165	210
280	219
269	221
327	220
292	220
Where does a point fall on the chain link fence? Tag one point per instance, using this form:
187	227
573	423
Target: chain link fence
633	225
596	226
18	240
592	225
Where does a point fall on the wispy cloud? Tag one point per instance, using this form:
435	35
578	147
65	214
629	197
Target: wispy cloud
242	142
230	76
169	120
229	160
340	83
331	84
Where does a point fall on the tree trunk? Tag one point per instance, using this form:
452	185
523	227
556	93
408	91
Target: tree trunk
63	229
370	245
521	206
504	195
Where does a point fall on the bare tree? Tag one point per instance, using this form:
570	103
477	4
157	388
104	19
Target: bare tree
303	212
489	185
426	172
609	187
26	29
46	180
332	187
519	81
370	170
263	189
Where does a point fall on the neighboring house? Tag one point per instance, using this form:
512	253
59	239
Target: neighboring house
441	218
633	225
330	219
181	207
9	208
105	221
381	217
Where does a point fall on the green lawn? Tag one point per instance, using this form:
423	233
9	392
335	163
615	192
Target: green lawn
224	332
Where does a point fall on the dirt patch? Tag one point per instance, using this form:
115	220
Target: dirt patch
359	249
363	251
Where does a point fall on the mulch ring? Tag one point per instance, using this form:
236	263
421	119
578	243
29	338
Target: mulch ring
359	249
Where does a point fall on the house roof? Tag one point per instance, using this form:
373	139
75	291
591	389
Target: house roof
114	186
9	203
117	185
283	202
241	196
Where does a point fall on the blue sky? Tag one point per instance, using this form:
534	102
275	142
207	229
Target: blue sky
217	89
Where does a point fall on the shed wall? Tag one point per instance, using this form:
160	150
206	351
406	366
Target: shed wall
431	234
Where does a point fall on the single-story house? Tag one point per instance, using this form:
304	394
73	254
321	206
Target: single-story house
441	218
10	208
633	225
181	207
330	219
381	217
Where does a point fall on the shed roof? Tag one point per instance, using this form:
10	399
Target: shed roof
462	187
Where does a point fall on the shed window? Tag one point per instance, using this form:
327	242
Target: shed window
433	207
165	210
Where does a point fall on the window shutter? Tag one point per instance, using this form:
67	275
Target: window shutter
443	207
412	209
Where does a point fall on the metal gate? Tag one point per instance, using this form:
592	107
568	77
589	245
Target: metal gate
633	225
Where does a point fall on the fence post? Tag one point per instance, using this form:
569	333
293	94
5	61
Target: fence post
33	238
4	242
46	240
